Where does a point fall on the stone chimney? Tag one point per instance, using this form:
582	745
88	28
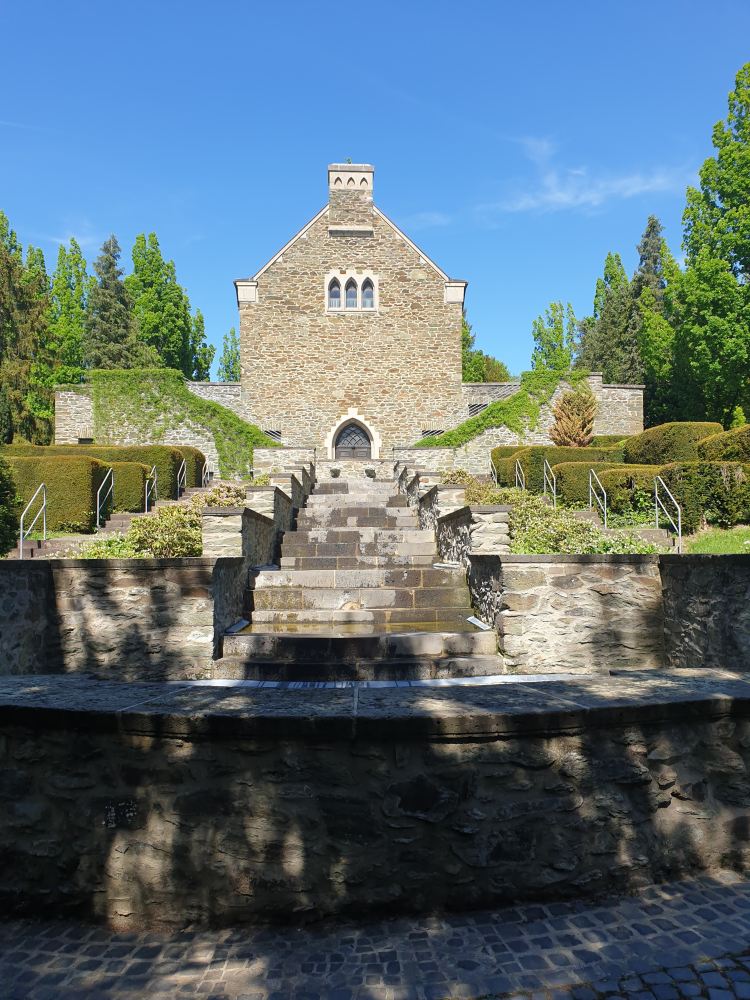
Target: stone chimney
350	196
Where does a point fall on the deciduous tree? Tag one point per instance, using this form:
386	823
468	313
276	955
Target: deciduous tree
554	338
229	360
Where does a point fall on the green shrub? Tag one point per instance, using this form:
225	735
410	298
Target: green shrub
731	446
166	458
709	492
114	546
9	509
169	533
194	462
537	529
130	485
573	480
607	440
630	488
673	442
222	495
71	481
532	460
505	451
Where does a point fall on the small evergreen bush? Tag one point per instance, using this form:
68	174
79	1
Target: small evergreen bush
574	416
673	442
169	533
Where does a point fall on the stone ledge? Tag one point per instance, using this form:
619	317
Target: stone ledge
201	712
595	558
30	565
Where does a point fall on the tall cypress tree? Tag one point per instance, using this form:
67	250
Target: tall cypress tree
229	360
110	331
606	341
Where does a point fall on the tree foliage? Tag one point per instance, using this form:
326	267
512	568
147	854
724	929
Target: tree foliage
554	338
476	366
229	360
574	415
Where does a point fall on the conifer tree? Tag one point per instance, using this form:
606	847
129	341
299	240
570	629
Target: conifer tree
110	332
607	343
229	360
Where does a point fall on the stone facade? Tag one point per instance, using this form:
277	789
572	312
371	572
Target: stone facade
156	806
74	415
308	369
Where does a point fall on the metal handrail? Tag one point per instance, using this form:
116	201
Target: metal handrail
550	481
101	501
658	502
205	475
181	478
520	477
152	489
493	472
41	488
593	495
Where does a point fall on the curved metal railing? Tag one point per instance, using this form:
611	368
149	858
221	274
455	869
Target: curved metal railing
181	479
101	501
597	493
152	489
520	476
24	533
550	483
661	487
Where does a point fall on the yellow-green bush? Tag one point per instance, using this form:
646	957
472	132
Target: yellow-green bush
532	459
731	446
672	442
573	479
166	458
130	485
71	481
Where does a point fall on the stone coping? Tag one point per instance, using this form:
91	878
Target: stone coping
7	565
196	712
606	559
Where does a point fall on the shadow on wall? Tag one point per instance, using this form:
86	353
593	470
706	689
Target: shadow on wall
220	806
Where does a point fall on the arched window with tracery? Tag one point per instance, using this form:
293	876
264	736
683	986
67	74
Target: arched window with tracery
351	294
334	294
352	441
368	294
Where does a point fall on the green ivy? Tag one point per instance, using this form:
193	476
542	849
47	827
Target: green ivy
519	412
155	401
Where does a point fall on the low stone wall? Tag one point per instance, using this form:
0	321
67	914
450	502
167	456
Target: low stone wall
707	611
122	618
473	530
282	459
577	614
74	415
149	806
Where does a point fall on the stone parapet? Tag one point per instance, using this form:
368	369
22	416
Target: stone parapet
161	805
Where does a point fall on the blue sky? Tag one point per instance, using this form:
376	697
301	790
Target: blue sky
516	143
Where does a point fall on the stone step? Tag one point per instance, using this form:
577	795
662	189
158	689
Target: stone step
353	517
366	578
297	547
314	647
358	561
294	599
359	535
331	619
392	668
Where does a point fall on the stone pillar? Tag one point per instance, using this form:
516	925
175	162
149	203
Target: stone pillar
221	528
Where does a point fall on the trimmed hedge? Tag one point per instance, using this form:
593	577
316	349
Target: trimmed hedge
194	462
9	510
71	481
573	479
731	446
130	485
716	492
627	484
532	462
166	458
673	442
607	440
505	451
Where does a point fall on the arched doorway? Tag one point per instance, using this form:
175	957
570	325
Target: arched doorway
352	441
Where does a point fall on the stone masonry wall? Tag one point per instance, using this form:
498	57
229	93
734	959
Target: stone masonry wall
122	618
74	415
707	611
576	614
398	365
221	807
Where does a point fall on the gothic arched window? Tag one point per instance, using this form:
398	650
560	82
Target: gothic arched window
334	294
368	294
351	294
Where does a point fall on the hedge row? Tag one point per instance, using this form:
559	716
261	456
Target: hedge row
532	460
194	462
130	485
732	446
573	479
166	458
71	481
673	442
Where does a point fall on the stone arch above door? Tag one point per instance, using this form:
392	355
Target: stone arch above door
353	418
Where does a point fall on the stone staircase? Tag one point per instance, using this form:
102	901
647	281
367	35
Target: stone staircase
656	536
357	597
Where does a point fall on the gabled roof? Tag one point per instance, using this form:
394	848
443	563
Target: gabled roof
320	215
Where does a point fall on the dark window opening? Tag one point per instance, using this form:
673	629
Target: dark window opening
353	442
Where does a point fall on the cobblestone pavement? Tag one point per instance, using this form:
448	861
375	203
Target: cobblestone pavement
684	939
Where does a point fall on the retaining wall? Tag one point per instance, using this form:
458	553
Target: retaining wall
153	806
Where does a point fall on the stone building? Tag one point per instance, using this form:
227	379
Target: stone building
350	336
350	343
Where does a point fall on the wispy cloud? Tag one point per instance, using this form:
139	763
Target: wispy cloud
559	188
83	232
425	220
